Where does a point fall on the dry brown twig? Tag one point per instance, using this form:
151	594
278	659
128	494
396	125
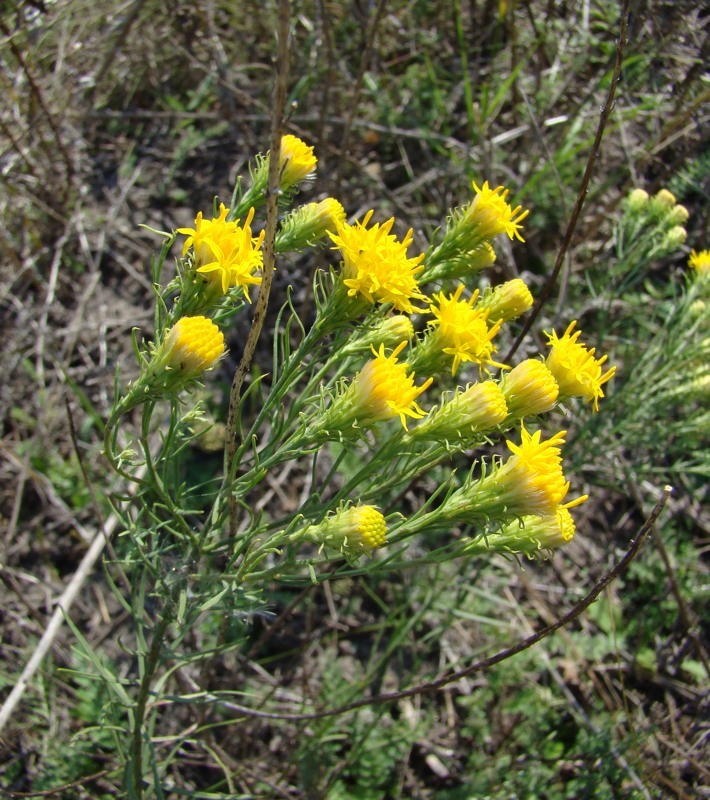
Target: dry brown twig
272	201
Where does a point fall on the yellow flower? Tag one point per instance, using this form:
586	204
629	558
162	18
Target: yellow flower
225	253
531	479
678	215
507	301
491	215
381	391
297	162
675	237
353	530
529	389
462	331
530	482
700	262
637	200
664	199
193	345
533	535
577	372
375	264
478	409
307	224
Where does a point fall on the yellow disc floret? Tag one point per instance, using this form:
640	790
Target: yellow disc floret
193	345
353	530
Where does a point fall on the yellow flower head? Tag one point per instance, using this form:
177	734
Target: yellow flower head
675	237
478	409
577	372
492	215
664	199
462	331
700	262
678	215
309	223
225	253
637	200
297	161
533	535
507	301
531	480
353	530
529	389
193	345
382	389
375	263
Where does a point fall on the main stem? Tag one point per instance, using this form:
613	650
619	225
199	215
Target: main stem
136	750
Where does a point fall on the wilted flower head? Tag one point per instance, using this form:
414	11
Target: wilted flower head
577	372
529	389
507	301
225	253
353	530
375	264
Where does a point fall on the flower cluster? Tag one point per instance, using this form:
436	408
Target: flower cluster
378	344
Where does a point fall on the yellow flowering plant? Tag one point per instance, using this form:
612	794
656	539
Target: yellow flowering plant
397	371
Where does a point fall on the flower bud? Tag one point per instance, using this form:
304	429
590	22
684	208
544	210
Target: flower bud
352	531
507	301
478	409
529	389
637	200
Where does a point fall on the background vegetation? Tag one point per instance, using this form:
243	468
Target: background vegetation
117	114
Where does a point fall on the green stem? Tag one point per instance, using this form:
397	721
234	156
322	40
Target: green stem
151	662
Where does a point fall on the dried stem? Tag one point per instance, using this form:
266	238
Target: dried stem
272	199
